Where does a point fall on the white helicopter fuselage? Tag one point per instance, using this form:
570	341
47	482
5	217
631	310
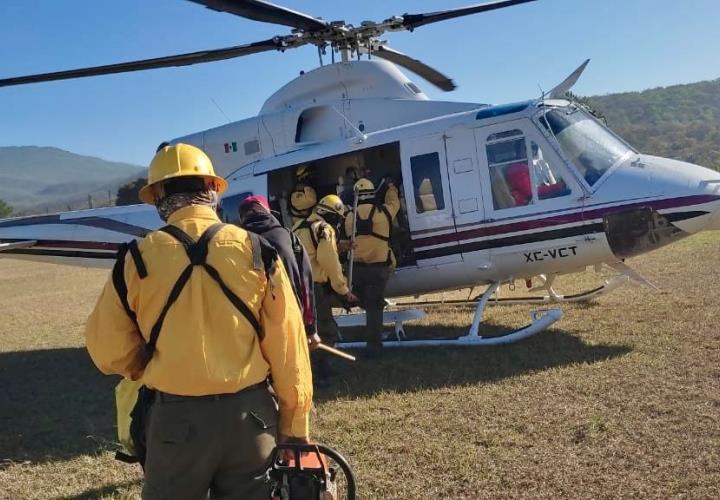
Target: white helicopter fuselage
490	193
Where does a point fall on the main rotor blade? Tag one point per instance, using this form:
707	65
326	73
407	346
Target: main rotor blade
412	21
259	10
158	62
418	67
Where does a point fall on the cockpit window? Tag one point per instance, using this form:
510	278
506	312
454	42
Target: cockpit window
587	144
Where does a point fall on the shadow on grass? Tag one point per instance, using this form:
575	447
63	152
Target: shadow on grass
418	368
102	491
54	404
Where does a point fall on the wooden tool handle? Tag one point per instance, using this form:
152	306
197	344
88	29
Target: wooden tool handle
336	352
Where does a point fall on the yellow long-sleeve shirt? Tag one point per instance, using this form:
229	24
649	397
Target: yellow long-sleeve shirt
369	249
324	258
206	345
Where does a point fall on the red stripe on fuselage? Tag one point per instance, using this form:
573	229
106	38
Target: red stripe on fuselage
557	220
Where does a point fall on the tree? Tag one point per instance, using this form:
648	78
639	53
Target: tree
5	210
128	193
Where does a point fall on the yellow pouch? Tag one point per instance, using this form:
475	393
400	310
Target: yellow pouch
126	395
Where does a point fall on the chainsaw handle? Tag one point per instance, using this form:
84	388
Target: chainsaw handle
320	449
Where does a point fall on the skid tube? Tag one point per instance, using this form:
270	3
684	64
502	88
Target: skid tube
541	319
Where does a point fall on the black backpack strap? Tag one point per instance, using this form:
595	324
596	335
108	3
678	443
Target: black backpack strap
384	210
137	259
306	224
118	278
256	251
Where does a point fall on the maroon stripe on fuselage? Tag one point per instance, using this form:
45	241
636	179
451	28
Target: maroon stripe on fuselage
557	220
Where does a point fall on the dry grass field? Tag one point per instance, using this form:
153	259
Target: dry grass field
620	399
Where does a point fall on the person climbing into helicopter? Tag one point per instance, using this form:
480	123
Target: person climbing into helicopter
318	234
373	258
203	313
256	217
304	195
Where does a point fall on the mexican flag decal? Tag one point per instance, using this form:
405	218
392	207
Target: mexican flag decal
231	147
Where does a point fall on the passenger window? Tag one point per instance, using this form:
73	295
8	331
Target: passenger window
509	171
427	182
548	180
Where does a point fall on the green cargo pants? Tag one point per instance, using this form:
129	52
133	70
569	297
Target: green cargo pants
369	281
201	444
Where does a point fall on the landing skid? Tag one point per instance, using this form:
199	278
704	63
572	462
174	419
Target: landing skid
541	320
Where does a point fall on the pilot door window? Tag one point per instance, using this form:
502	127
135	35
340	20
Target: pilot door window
427	183
509	171
549	182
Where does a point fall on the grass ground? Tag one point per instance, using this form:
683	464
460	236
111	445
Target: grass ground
620	399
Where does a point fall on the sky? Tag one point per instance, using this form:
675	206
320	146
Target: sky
501	56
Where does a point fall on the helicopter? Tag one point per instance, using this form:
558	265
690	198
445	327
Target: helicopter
490	194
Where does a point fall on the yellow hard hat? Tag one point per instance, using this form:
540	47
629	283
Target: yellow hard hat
364	185
302	173
180	160
331	204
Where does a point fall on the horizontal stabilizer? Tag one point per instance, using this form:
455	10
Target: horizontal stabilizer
16	244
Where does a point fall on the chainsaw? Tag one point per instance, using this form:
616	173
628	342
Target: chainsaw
303	472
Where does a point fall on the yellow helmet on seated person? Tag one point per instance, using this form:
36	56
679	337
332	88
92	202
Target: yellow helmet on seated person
179	160
364	188
331	204
302	173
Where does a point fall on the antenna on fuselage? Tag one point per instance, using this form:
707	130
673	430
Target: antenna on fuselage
221	111
360	136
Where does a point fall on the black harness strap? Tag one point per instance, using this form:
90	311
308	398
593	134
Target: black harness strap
137	258
118	278
197	253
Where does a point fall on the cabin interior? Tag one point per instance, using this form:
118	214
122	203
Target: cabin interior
337	174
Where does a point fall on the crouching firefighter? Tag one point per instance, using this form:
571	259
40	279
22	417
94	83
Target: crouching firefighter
203	313
318	234
373	259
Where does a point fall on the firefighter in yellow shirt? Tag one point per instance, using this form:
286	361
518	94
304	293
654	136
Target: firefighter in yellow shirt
204	313
318	234
373	259
303	197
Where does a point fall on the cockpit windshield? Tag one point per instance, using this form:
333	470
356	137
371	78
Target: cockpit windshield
587	144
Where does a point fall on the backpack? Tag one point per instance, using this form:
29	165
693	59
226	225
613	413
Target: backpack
364	227
132	398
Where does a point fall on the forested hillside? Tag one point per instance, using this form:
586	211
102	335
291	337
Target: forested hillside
680	122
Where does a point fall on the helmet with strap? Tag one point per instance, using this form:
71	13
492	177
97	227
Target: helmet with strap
179	161
365	189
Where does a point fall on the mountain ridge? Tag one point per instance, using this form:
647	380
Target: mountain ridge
54	178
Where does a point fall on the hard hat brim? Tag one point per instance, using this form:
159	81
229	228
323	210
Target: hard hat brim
146	194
